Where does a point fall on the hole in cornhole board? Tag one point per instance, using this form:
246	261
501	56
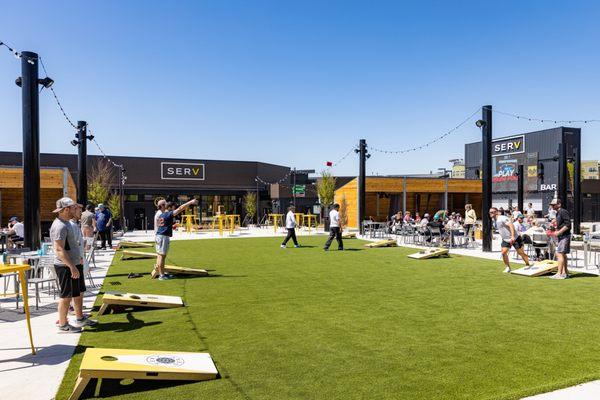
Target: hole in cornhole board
133	365
115	300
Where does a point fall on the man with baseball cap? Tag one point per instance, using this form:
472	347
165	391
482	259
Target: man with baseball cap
164	233
68	265
16	231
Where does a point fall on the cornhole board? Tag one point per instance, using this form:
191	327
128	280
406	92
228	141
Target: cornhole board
175	270
383	243
138	300
429	253
133	245
99	363
537	269
133	254
349	235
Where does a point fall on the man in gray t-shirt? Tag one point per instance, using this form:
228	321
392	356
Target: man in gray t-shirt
68	265
509	236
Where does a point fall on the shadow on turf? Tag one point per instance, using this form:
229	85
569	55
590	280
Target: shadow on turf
131	324
114	387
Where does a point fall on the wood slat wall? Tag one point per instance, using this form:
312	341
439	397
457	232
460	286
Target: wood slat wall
51	189
427	193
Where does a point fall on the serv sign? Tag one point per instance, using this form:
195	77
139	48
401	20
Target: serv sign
187	171
507	146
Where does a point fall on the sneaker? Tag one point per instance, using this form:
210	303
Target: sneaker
85	322
283	246
555	276
562	276
326	249
528	266
297	245
164	277
506	270
67	328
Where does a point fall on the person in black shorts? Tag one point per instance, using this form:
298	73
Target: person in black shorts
68	265
509	237
563	238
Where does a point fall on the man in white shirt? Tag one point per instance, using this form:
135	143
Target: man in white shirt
335	228
16	231
509	237
290	225
530	212
424	221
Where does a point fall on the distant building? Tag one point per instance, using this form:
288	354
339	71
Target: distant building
458	168
589	169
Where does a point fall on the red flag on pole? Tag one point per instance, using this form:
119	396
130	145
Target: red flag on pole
329	164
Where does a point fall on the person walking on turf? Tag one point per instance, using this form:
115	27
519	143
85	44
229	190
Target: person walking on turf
164	234
563	237
335	228
104	226
290	225
68	265
509	238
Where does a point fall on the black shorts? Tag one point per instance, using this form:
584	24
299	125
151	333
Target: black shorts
517	244
68	286
15	238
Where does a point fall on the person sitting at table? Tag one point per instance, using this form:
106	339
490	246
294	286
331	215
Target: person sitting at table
396	223
436	223
407	218
424	221
452	222
417	218
16	232
519	225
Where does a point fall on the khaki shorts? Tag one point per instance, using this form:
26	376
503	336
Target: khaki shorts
162	244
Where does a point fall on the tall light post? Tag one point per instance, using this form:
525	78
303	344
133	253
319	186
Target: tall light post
485	124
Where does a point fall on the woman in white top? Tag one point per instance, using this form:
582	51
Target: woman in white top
470	219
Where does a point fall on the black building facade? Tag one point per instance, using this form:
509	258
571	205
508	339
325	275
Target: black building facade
538	152
218	185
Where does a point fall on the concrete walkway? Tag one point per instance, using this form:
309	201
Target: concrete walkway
27	377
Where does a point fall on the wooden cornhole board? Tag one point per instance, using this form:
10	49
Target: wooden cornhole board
349	235
133	254
139	300
175	270
429	253
383	243
99	363
537	269
133	245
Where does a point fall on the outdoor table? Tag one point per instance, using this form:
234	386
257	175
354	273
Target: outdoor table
453	233
307	220
231	220
188	220
276	218
20	270
299	218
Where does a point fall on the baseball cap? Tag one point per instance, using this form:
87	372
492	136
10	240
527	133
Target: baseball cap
64	203
13	219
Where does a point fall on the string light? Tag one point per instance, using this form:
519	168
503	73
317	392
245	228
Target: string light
338	162
544	120
437	139
18	54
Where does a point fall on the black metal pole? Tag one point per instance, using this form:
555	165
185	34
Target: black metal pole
486	169
520	180
362	150
82	162
294	188
577	191
562	173
122	197
257	204
31	150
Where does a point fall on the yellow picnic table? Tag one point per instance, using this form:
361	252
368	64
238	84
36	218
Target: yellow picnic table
308	220
299	217
20	270
190	221
276	219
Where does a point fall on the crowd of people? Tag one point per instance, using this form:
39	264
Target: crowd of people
443	221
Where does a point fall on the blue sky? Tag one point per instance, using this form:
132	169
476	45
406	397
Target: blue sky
299	83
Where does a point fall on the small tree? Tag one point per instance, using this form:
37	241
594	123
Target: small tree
326	188
344	211
250	204
100	180
114	204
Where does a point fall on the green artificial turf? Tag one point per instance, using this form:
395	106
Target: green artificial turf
359	324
